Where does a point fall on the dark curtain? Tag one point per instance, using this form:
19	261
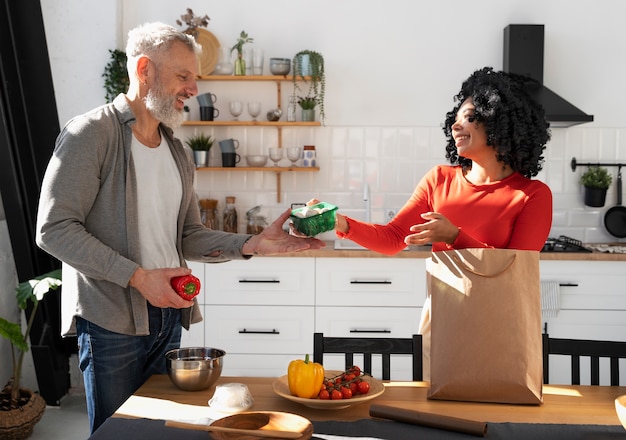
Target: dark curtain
29	125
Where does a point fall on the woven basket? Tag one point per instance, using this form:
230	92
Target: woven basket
18	424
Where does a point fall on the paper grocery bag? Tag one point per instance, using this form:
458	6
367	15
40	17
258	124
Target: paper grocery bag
485	326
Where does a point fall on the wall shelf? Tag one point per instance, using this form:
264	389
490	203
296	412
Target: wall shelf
278	79
277	170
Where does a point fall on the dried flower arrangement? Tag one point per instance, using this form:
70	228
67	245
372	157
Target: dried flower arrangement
192	22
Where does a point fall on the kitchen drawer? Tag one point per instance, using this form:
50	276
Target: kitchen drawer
370	281
595	285
261	281
259	329
368	322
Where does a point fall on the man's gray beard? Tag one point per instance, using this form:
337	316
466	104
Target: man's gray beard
163	108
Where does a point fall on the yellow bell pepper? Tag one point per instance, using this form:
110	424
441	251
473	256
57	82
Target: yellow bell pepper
305	378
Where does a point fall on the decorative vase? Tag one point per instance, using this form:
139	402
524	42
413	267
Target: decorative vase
240	65
18	424
308	114
201	157
595	197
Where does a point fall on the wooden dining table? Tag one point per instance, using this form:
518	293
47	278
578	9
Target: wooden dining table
563	405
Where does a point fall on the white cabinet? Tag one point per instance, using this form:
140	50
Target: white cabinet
262	308
369	297
593	306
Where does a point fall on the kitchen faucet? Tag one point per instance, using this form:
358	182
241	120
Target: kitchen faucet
366	199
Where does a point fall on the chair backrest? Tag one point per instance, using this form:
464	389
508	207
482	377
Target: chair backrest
575	348
368	346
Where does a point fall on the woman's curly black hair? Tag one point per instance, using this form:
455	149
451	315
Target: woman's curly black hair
514	122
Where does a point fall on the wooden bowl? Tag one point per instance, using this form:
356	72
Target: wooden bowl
263	420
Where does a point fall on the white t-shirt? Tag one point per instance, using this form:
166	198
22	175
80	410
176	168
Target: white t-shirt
159	194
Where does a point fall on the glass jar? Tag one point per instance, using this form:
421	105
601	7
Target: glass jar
230	215
308	156
256	222
208	213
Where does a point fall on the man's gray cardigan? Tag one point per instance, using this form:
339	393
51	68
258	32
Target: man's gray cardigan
88	219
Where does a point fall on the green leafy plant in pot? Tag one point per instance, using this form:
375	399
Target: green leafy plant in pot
115	75
21	409
201	145
307	103
308	66
596	181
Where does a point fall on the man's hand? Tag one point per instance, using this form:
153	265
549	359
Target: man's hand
154	285
273	240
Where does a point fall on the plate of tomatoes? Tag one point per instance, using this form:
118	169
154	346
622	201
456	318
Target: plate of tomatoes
340	389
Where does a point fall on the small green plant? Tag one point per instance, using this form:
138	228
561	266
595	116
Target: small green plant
317	83
596	177
200	142
192	22
240	63
32	290
115	75
307	102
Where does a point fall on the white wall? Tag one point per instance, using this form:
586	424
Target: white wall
392	69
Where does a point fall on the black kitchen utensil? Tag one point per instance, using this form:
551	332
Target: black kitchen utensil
615	217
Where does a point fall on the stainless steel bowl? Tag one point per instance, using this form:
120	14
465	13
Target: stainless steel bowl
195	368
280	66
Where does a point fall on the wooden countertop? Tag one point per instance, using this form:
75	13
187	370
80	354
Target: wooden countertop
422	252
563	404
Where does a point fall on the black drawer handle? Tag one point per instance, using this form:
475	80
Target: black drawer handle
358	330
369	282
260	281
259	332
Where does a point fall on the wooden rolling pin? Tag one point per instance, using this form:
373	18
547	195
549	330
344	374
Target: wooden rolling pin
427	419
256	432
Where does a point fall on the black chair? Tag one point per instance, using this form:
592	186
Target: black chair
368	346
575	348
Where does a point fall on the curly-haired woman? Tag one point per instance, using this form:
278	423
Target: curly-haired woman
496	135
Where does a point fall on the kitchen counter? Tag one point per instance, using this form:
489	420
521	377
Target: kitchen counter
424	252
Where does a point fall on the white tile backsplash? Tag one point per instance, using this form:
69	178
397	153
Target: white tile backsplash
392	160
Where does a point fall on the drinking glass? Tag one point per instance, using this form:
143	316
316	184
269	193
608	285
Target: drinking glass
276	154
236	108
293	154
254	108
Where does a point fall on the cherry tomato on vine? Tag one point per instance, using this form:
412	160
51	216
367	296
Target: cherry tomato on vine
336	395
364	387
346	393
323	395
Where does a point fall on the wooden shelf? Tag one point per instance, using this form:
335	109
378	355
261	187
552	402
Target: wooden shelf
277	170
253	123
279	78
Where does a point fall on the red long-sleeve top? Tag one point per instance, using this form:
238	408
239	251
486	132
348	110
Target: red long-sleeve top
514	213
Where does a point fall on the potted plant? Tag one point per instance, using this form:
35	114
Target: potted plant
307	103
308	65
20	408
201	145
115	75
596	181
240	63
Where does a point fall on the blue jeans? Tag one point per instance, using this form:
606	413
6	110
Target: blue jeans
114	365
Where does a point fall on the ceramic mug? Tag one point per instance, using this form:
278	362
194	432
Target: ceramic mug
230	159
208	113
229	145
206	99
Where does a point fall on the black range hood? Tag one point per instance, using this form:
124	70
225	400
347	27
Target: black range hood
523	55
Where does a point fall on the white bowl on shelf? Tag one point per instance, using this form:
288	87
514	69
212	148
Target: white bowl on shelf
256	160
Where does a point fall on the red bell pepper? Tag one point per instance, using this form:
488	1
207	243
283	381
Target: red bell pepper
186	286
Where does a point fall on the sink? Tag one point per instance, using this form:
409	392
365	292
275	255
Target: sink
348	245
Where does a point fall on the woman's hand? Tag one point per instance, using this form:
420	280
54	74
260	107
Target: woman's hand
436	229
273	240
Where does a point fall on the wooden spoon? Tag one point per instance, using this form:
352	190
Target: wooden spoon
256	432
